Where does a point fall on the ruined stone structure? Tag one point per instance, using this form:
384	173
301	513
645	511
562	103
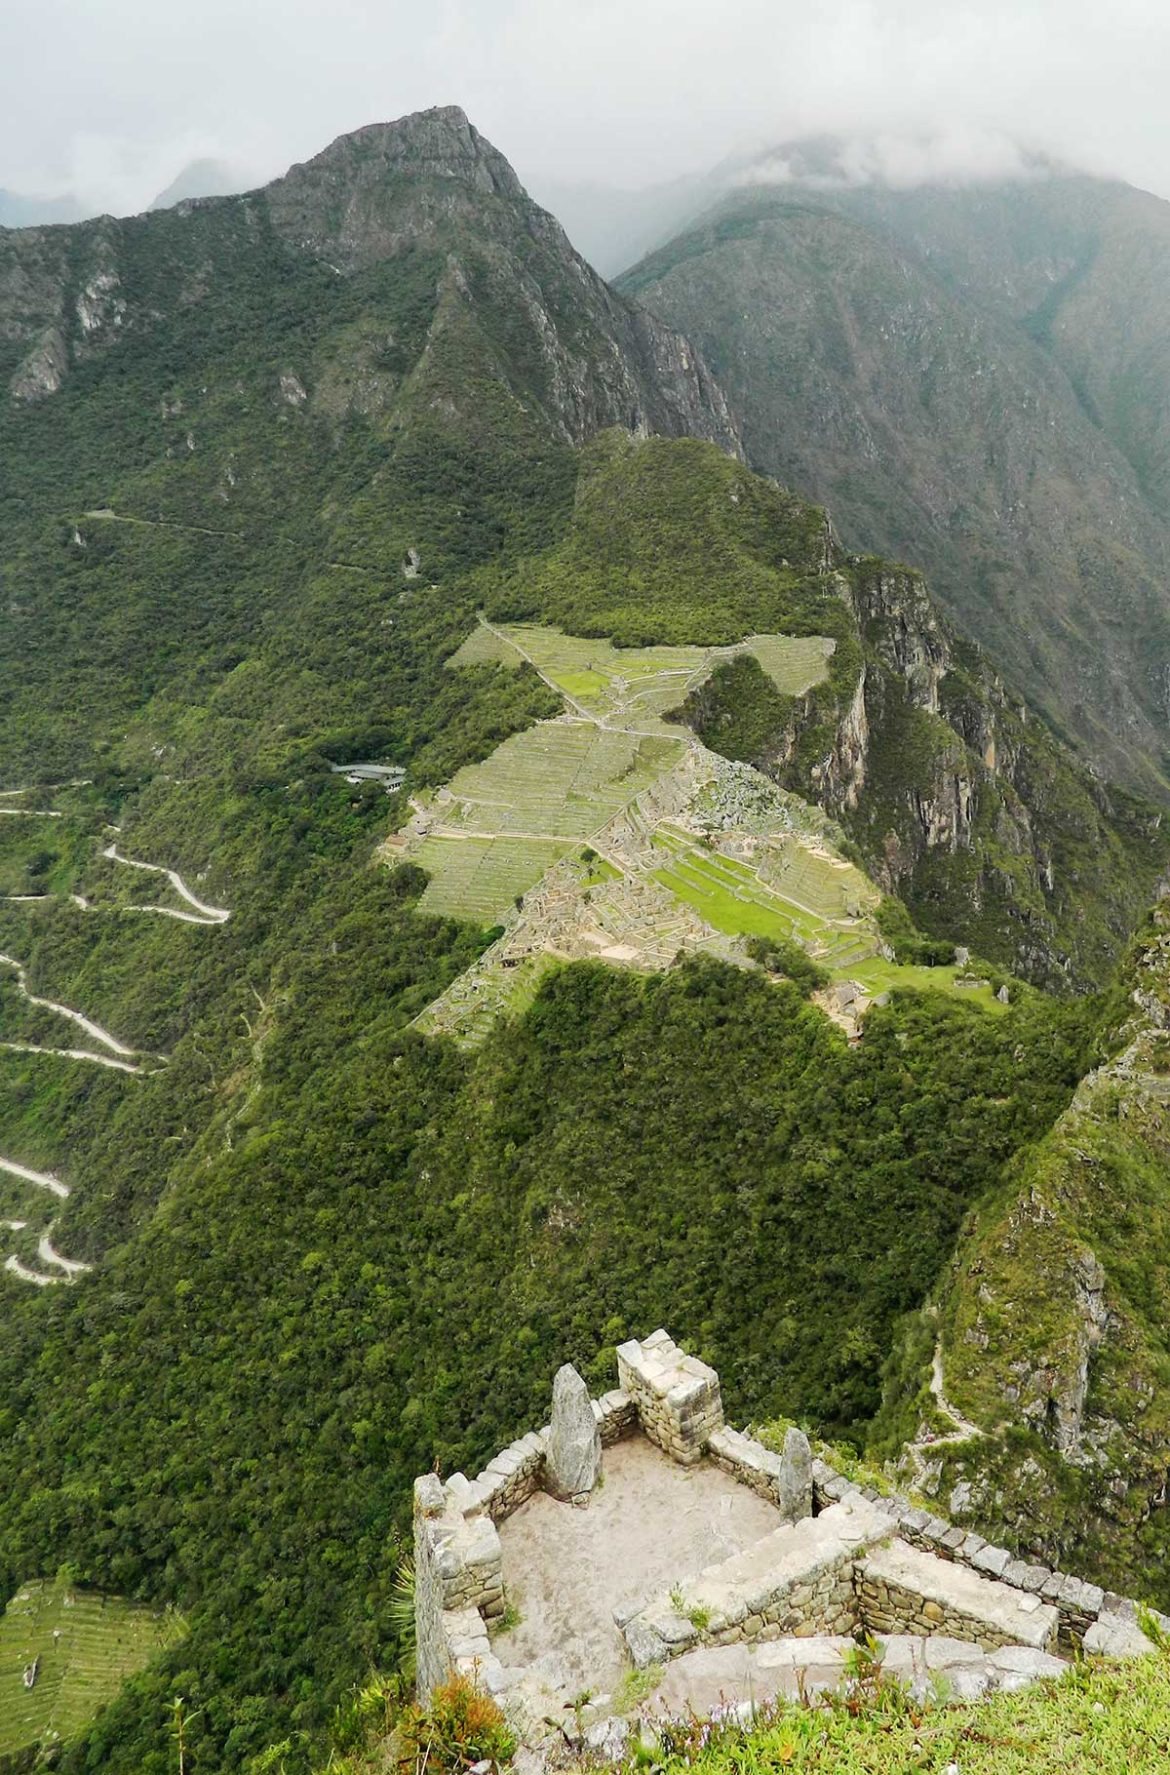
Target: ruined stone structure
838	1560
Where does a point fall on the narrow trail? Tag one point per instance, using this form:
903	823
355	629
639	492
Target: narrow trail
70	1268
206	914
92	1029
47	1253
107	1060
31	813
14	1267
918	1453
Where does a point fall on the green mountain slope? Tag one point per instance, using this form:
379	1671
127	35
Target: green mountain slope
1052	1318
972	380
264	461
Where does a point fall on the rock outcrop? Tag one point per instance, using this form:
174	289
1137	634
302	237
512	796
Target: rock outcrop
573	1452
426	184
1054	1317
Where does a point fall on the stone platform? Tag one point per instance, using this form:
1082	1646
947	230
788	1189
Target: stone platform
726	1572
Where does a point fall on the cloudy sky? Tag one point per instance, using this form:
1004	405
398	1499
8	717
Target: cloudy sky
111	98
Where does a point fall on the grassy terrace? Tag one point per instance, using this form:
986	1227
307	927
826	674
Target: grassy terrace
479	878
511	817
1103	1720
639	685
733	898
87	1645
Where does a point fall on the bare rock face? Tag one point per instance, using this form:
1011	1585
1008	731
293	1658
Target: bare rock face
794	1484
573	1462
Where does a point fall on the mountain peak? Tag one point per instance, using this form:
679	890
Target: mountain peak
440	143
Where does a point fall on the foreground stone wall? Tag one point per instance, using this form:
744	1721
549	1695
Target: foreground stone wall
1097	1620
901	1588
864	1560
459	1581
798	1580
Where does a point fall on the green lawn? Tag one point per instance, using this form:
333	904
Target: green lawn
641	684
87	1644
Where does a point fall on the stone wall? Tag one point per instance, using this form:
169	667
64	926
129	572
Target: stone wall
458	1578
784	1480
865	1560
901	1589
1089	1617
798	1580
676	1396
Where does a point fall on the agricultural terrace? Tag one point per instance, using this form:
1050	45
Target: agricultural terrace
802	894
500	825
639	685
498	829
83	1647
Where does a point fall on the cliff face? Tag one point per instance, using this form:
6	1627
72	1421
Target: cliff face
958	377
382	196
1054	1317
964	807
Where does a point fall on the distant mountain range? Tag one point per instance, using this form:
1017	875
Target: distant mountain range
975	378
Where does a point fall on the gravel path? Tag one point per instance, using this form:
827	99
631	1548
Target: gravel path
203	914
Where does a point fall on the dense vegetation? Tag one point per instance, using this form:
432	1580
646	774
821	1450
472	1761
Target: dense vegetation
328	1251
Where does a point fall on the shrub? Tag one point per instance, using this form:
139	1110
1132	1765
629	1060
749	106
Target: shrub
461	1726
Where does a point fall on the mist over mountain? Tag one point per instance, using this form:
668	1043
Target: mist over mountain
972	376
488	864
27	212
203	178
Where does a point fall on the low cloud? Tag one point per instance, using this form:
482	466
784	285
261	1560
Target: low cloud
113	97
899	161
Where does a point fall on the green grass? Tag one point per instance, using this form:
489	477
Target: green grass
1104	1720
641	684
100	1641
733	899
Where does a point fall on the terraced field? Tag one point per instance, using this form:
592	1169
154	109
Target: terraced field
83	1646
479	878
638	685
502	823
826	895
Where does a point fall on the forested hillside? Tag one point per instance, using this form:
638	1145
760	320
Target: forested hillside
264	459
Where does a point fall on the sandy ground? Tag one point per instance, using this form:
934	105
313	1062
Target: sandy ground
650	1524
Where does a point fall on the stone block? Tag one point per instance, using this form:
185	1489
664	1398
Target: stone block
1113	1636
573	1456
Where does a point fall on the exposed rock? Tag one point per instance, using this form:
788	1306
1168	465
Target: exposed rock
573	1460
43	370
794	1484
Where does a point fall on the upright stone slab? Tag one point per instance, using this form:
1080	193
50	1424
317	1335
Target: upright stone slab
677	1396
573	1455
794	1482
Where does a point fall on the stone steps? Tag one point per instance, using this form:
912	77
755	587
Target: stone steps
898	1585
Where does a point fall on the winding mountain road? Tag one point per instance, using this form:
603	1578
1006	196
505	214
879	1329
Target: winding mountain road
92	1029
41	1179
70	1268
203	914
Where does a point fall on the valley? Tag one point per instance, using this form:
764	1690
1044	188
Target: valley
493	873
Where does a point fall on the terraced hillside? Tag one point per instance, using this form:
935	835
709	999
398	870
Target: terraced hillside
612	832
78	1648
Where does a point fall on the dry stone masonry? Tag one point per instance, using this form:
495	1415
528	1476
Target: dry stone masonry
677	1396
841	1560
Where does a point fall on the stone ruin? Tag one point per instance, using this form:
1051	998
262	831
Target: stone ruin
809	1563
